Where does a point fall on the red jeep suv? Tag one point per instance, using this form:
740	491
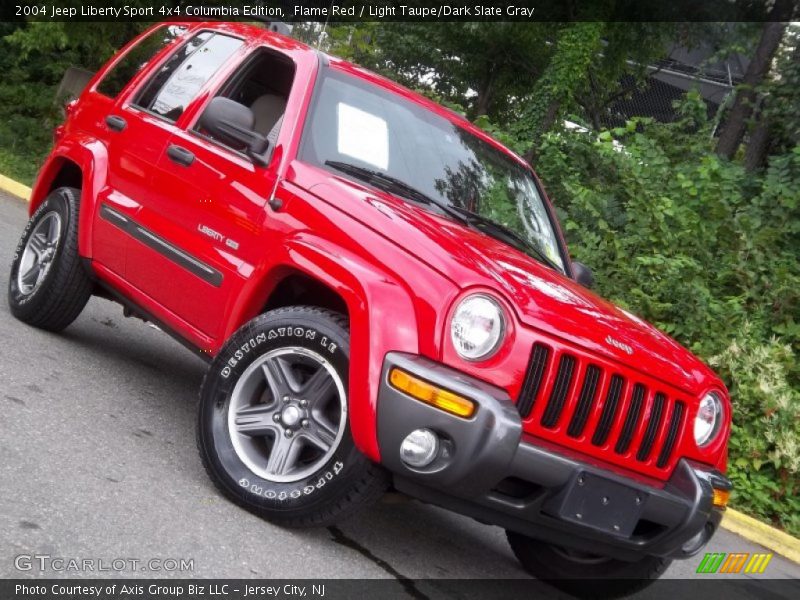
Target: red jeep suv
384	296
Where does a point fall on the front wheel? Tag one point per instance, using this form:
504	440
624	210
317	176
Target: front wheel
583	574
273	427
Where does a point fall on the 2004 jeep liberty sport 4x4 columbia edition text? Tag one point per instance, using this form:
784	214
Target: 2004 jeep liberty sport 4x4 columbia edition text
385	298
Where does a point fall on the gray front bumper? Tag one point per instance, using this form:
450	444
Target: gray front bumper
487	471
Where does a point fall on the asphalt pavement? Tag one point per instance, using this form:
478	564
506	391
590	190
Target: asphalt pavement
98	461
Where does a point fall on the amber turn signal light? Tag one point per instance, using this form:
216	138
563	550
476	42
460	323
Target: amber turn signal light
430	394
721	498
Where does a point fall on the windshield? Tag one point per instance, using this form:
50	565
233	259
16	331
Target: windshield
379	137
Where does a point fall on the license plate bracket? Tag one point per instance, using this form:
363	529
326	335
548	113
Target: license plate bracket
601	503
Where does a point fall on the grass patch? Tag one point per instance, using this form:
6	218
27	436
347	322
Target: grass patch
19	168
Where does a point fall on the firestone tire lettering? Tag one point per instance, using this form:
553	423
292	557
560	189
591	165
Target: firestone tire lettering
296	493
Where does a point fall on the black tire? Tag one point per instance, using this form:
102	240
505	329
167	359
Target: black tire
60	295
584	575
338	485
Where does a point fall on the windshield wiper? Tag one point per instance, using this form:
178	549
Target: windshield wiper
467	217
519	241
397	186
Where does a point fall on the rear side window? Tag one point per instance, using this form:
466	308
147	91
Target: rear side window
138	56
177	83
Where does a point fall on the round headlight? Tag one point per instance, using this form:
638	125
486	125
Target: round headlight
708	420
477	327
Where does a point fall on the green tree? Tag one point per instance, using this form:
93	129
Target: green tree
576	48
745	101
593	65
483	67
776	126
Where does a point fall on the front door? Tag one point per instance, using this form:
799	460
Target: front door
213	211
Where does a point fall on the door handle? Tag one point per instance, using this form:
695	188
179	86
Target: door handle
116	123
180	155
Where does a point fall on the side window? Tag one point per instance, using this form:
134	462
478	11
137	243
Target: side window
263	85
136	58
177	83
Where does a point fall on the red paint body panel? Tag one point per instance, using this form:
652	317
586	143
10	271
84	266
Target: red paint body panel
400	269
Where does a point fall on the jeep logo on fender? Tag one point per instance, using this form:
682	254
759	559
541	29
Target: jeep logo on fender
619	345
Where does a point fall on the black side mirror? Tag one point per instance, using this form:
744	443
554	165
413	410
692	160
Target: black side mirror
232	123
583	274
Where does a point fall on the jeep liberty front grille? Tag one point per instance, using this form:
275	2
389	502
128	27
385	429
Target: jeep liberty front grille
618	415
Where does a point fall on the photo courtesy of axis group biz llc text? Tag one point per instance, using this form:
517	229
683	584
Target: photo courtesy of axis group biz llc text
399	298
102	589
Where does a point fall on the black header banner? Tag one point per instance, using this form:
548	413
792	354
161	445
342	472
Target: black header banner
402	10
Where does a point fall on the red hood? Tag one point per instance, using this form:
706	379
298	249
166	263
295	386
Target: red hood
544	300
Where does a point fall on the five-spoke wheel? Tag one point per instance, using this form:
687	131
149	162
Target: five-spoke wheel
288	412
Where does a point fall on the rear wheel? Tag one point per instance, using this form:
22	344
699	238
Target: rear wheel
49	286
273	428
584	574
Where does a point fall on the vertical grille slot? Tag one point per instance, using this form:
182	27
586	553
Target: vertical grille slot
652	427
585	401
609	411
626	436
566	367
672	435
540	356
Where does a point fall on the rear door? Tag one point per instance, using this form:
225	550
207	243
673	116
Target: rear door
133	142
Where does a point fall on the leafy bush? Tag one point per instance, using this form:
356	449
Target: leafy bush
765	457
33	59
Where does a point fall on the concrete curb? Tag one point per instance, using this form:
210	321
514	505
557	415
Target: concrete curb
739	523
15	188
760	533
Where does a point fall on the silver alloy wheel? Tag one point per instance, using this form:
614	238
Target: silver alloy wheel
287	414
38	254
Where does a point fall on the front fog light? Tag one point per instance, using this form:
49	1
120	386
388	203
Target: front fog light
708	421
419	448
